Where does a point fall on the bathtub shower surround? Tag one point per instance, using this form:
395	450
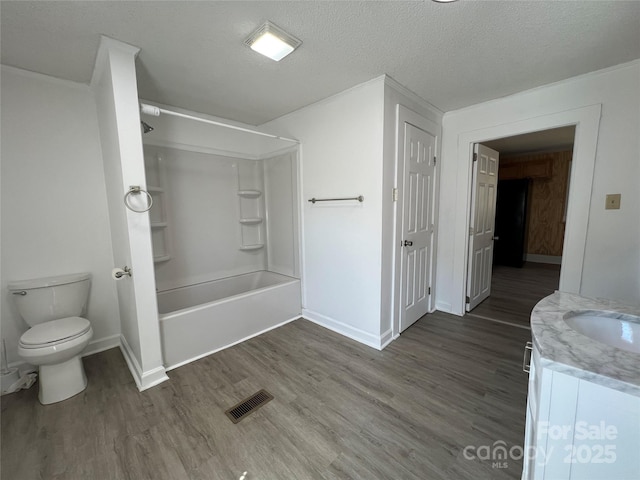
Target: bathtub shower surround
224	231
196	228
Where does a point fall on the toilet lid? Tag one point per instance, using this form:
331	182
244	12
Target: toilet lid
55	331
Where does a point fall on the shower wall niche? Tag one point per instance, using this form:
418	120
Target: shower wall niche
219	213
160	239
251	208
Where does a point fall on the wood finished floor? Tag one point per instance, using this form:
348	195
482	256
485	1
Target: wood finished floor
515	291
341	411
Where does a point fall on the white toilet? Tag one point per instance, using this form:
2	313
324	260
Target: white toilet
52	307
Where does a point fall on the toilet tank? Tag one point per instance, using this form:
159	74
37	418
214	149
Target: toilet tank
42	299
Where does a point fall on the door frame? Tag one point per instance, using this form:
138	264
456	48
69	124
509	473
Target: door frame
587	123
406	115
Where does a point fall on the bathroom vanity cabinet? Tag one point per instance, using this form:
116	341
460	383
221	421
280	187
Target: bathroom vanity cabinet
577	429
583	404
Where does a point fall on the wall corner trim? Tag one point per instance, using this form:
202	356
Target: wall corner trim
153	377
114	44
371	340
144	380
393	83
108	44
386	338
45	78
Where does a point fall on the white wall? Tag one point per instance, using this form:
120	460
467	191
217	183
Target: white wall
54	209
341	156
611	267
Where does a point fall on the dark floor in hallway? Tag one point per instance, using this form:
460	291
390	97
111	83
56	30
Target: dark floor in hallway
515	291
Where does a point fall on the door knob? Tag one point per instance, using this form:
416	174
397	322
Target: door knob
407	243
495	238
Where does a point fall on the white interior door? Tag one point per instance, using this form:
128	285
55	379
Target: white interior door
481	228
417	223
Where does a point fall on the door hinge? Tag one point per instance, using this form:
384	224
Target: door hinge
395	194
471	232
468	299
429	291
475	157
434	159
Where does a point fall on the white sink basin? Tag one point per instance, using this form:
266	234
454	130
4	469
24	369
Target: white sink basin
615	329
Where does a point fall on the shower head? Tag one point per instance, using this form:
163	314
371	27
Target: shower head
146	128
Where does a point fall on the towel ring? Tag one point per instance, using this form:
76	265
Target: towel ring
136	190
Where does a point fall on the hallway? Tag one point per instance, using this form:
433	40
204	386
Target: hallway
515	291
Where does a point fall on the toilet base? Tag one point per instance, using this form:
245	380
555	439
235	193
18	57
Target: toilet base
61	381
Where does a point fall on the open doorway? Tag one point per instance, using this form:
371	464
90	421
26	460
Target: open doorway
530	218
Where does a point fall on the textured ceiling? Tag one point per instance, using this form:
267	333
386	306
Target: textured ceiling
453	55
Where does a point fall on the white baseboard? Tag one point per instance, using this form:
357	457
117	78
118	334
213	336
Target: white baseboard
144	380
443	307
386	338
23	367
132	363
101	344
535	258
153	377
374	341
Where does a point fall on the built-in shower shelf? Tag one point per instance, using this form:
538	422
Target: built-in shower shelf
162	258
249	193
151	189
251	221
257	246
159	224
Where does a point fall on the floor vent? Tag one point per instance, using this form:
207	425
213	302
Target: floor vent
248	406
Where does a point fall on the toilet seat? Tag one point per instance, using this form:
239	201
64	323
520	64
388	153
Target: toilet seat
54	332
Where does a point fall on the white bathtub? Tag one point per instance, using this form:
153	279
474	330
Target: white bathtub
198	320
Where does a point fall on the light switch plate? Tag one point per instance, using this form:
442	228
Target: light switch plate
613	201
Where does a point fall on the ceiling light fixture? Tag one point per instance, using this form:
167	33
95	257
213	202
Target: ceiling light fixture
444	1
273	42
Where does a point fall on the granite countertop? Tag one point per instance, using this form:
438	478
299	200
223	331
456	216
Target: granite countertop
565	350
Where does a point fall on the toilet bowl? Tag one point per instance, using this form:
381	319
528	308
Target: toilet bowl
55	347
58	335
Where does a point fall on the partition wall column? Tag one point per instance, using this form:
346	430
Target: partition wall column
115	89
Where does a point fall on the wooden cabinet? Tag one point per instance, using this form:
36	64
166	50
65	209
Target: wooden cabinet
511	171
539	168
578	429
